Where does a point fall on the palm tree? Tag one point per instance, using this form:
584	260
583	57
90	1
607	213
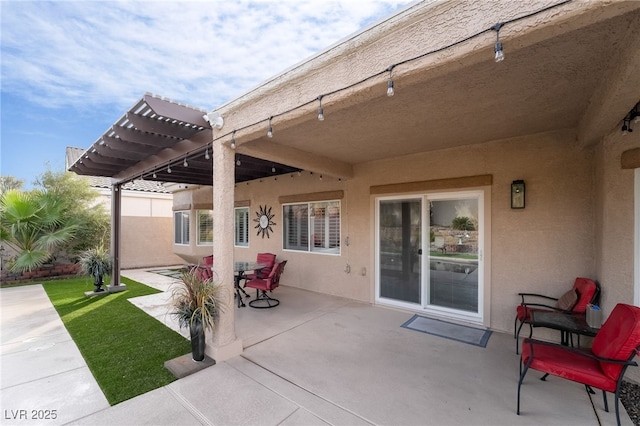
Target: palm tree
32	223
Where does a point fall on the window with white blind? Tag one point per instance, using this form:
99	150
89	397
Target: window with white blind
242	227
205	227
313	227
181	227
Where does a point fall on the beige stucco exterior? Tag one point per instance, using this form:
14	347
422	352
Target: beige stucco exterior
542	247
192	199
146	221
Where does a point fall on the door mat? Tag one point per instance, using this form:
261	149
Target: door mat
461	333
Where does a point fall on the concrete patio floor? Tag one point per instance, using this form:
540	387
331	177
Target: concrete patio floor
313	360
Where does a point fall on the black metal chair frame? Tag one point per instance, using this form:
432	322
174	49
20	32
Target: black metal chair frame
625	364
263	301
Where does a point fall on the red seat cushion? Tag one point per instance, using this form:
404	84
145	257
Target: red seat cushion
618	337
561	362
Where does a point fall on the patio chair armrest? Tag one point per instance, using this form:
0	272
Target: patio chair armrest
541	305
540	296
580	352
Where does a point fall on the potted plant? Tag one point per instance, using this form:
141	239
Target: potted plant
97	263
197	303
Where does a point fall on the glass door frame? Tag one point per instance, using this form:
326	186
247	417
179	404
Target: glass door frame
474	317
480	317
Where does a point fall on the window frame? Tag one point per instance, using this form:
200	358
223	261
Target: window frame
236	229
199	242
182	214
331	246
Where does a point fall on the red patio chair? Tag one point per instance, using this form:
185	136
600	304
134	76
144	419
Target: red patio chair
268	259
575	301
208	261
262	285
203	272
601	367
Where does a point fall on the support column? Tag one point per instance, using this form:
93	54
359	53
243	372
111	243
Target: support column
223	343
116	214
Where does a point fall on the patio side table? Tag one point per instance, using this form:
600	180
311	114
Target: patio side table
568	324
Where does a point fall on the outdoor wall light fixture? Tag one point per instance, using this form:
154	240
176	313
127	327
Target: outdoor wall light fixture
517	194
632	116
214	119
498	46
320	110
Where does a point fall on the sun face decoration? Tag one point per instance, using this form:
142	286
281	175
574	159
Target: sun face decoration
264	222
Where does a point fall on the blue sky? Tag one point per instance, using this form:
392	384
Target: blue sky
70	69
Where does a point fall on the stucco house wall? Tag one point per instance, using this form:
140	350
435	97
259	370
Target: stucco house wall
191	199
542	247
147	224
615	219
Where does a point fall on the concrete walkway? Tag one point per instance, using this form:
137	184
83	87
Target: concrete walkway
315	359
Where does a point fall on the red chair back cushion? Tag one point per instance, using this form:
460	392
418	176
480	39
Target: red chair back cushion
274	277
267	258
618	338
207	260
586	289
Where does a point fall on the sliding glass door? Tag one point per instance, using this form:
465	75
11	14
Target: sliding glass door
429	253
400	237
453	253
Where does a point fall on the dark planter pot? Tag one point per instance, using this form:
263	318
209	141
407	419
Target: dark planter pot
98	283
197	341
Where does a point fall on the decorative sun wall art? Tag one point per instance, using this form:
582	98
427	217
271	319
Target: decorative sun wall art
264	222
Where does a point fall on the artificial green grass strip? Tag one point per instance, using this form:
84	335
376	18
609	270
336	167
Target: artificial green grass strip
124	347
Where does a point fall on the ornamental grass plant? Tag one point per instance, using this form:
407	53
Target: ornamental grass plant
197	300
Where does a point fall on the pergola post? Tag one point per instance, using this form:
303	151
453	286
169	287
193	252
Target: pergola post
223	343
116	214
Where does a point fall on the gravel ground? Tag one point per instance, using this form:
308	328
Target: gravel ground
630	398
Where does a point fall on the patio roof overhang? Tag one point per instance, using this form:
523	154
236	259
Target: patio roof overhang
573	67
157	135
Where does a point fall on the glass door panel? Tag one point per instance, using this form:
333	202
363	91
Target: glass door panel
453	254
400	236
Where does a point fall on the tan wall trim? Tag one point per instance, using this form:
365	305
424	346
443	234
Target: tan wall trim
630	159
430	185
314	196
203	206
181	207
242	203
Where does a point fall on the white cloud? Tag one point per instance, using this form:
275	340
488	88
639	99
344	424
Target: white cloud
203	53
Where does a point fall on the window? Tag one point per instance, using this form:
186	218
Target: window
242	227
205	227
181	227
313	227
